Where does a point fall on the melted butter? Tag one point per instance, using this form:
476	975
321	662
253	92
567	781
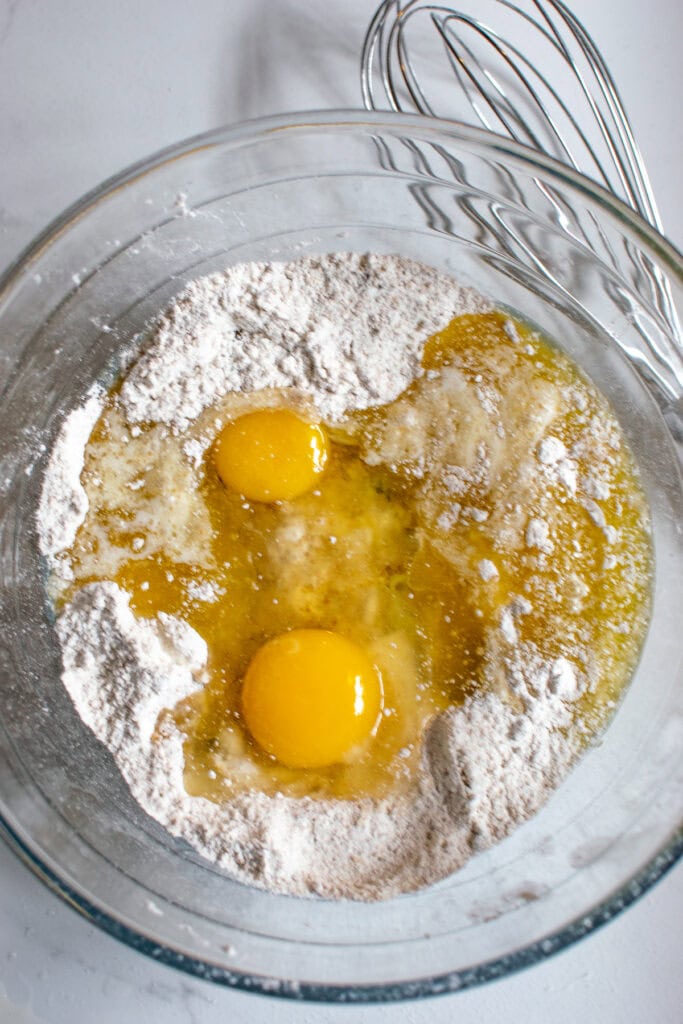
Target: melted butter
392	549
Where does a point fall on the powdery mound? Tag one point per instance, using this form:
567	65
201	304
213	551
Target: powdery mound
484	768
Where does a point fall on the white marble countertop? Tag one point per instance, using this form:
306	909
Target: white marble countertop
87	88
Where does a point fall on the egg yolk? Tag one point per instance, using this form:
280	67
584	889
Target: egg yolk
310	696
271	455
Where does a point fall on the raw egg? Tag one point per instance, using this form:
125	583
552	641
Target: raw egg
271	455
310	696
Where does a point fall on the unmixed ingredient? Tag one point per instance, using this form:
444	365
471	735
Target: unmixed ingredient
344	479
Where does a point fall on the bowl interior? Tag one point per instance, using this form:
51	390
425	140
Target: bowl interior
537	240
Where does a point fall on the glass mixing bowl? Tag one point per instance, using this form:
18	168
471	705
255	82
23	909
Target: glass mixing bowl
538	239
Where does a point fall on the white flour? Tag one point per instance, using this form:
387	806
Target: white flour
321	325
484	768
347	330
63	502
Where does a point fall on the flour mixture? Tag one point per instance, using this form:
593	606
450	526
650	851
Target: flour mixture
349	568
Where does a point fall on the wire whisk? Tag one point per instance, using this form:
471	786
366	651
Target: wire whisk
551	104
526	69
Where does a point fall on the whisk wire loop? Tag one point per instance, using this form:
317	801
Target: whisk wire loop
553	102
527	109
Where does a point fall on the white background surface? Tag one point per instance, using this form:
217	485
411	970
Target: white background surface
87	87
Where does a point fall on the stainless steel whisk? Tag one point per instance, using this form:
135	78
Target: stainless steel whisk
416	50
504	90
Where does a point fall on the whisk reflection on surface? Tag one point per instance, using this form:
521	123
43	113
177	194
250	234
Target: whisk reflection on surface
526	69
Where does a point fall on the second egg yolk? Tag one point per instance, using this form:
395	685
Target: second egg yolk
310	696
271	455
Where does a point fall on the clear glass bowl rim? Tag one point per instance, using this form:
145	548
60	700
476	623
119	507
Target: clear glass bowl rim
432	130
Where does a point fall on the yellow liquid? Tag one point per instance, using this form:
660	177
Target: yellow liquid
391	549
